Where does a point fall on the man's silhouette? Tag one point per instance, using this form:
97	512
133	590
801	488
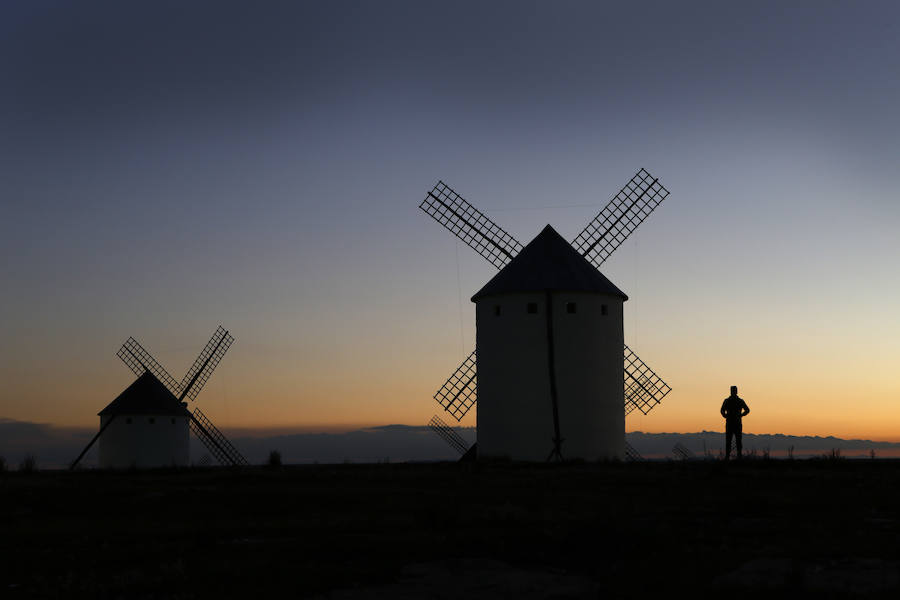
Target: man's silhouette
733	409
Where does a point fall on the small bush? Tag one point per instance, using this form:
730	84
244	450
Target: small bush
833	456
274	459
28	464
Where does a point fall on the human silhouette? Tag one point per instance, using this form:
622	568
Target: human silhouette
733	410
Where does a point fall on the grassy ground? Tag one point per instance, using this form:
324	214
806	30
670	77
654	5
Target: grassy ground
813	528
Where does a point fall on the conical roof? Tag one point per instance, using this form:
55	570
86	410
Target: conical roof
548	262
146	396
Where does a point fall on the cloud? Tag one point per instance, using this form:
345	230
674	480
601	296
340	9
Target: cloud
52	447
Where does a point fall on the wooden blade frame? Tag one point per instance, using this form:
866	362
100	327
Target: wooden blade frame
460	392
139	360
643	388
448	434
206	363
215	441
471	226
620	217
682	452
631	454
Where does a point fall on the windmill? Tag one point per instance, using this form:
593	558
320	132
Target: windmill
519	364
157	396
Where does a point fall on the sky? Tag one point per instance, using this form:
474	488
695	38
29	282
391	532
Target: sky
169	167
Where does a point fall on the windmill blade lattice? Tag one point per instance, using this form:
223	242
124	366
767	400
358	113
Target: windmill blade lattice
215	441
139	360
460	392
643	388
682	452
631	454
471	226
620	217
448	434
206	363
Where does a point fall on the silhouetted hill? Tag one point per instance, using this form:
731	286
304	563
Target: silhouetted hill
55	447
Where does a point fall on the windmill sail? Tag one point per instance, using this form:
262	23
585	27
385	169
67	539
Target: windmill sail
206	363
631	454
449	435
644	389
471	226
139	360
215	441
620	217
460	391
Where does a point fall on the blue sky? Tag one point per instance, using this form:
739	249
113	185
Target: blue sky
168	168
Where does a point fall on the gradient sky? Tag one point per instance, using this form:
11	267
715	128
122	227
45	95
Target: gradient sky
169	166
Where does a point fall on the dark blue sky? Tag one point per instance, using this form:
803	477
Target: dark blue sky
168	166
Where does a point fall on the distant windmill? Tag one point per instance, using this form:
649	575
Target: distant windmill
567	365
133	426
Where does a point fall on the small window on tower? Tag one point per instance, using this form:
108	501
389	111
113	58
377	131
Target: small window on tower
496	310
604	310
532	308
173	420
571	308
152	420
128	421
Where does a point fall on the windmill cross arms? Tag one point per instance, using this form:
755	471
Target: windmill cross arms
643	388
471	226
206	363
620	217
139	360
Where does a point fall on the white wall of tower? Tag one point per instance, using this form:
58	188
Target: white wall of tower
144	441
514	409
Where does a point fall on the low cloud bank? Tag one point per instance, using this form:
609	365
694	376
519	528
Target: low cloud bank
55	447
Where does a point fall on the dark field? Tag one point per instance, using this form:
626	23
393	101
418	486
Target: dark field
814	528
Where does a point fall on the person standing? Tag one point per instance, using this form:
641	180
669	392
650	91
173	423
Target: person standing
733	410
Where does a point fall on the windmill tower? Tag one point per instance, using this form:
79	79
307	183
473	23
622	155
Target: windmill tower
549	335
148	424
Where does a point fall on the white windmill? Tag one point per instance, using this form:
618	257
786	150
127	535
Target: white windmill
549	336
148	424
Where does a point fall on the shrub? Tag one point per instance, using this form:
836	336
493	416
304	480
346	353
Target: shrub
833	456
28	464
274	458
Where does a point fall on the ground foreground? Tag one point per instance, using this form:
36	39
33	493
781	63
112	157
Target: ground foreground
814	528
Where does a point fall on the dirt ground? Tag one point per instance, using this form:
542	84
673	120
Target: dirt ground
810	528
